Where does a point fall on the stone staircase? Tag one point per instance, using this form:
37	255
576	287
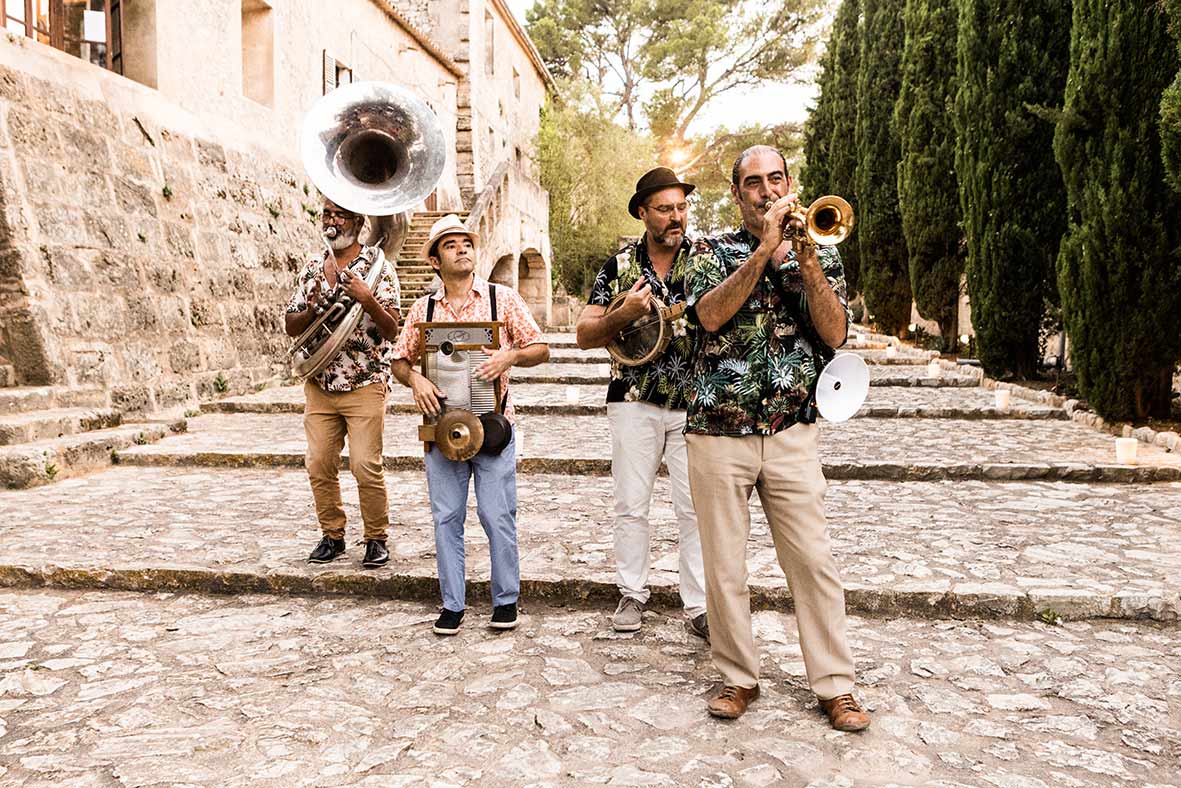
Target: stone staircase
49	433
415	273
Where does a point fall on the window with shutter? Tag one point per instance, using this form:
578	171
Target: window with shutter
329	73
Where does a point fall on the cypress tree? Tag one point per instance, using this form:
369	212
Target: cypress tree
1170	109
816	174
884	275
929	200
1012	57
845	46
1119	268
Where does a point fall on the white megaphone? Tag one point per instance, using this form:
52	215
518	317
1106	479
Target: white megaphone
842	387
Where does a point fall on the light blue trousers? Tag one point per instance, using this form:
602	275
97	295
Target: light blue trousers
496	505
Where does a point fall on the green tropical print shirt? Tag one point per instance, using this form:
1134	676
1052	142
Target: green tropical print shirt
664	380
752	376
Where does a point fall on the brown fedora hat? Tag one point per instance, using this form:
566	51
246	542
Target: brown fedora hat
653	181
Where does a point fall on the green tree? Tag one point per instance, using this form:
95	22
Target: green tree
845	45
816	175
1119	268
929	202
661	63
1171	108
1012	57
589	165
885	278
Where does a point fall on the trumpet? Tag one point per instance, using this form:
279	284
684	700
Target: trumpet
826	222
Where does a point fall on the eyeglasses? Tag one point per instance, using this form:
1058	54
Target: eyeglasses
337	216
667	210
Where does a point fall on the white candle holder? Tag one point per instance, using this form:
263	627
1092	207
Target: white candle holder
1004	399
573	395
891	351
934	370
1125	451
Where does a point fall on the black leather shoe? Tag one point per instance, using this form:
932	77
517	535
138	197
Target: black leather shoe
504	616
448	622
326	550
375	554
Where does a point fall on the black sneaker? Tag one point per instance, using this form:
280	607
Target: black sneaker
326	550
504	616
447	622
699	626
375	554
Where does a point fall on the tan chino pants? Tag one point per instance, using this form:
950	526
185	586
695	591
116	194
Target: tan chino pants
785	469
328	417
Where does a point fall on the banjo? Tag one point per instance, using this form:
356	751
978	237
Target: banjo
647	336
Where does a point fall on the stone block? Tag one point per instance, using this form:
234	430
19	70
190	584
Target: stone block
164	274
83	146
211	155
115	270
30	348
33	134
134	197
92	365
61	224
141	313
131	397
205	312
174	393
178	147
14	87
220	353
99	315
67	269
178	240
184	356
104	230
174	315
136	164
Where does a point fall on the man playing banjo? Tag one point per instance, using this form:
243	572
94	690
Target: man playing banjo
646	401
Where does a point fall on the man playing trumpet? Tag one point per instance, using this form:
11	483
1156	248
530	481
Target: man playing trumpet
646	403
767	309
348	397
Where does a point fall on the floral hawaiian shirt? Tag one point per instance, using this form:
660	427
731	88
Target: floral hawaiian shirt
519	329
664	380
752	376
365	357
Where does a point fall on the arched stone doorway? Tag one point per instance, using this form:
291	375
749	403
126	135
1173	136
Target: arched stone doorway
533	283
502	272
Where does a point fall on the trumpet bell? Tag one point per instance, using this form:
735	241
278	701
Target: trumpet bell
373	148
829	220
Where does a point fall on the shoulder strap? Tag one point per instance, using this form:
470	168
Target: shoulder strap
492	300
430	307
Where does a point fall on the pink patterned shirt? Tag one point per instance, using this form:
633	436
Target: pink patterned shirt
519	329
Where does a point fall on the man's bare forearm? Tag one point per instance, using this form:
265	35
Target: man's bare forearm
716	307
599	328
532	355
828	316
295	323
386	323
401	370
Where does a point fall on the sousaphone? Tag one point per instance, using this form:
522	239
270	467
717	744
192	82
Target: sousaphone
378	150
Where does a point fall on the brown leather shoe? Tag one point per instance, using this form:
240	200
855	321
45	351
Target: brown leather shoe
845	714
731	702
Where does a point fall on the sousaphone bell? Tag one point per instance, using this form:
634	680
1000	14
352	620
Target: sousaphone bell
378	150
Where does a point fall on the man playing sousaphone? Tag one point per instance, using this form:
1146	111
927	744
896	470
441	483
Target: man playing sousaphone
348	397
646	402
467	298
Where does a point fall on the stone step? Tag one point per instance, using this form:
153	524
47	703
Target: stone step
45	424
923	449
589	400
880	375
44	461
21	399
921	548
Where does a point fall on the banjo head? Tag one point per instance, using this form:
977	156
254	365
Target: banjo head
643	339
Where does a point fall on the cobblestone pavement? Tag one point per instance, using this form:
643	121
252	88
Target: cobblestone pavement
857	442
879	374
114	689
576	398
989	547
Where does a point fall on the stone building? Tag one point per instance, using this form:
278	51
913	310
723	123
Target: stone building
154	209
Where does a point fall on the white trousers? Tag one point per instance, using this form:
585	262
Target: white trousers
641	435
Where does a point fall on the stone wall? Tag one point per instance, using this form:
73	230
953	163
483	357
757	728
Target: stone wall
142	251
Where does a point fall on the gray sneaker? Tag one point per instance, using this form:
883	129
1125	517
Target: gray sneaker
699	626
627	615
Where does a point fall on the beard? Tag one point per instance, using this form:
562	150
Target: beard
671	237
342	241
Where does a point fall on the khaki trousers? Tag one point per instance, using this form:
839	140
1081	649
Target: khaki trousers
327	418
785	469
